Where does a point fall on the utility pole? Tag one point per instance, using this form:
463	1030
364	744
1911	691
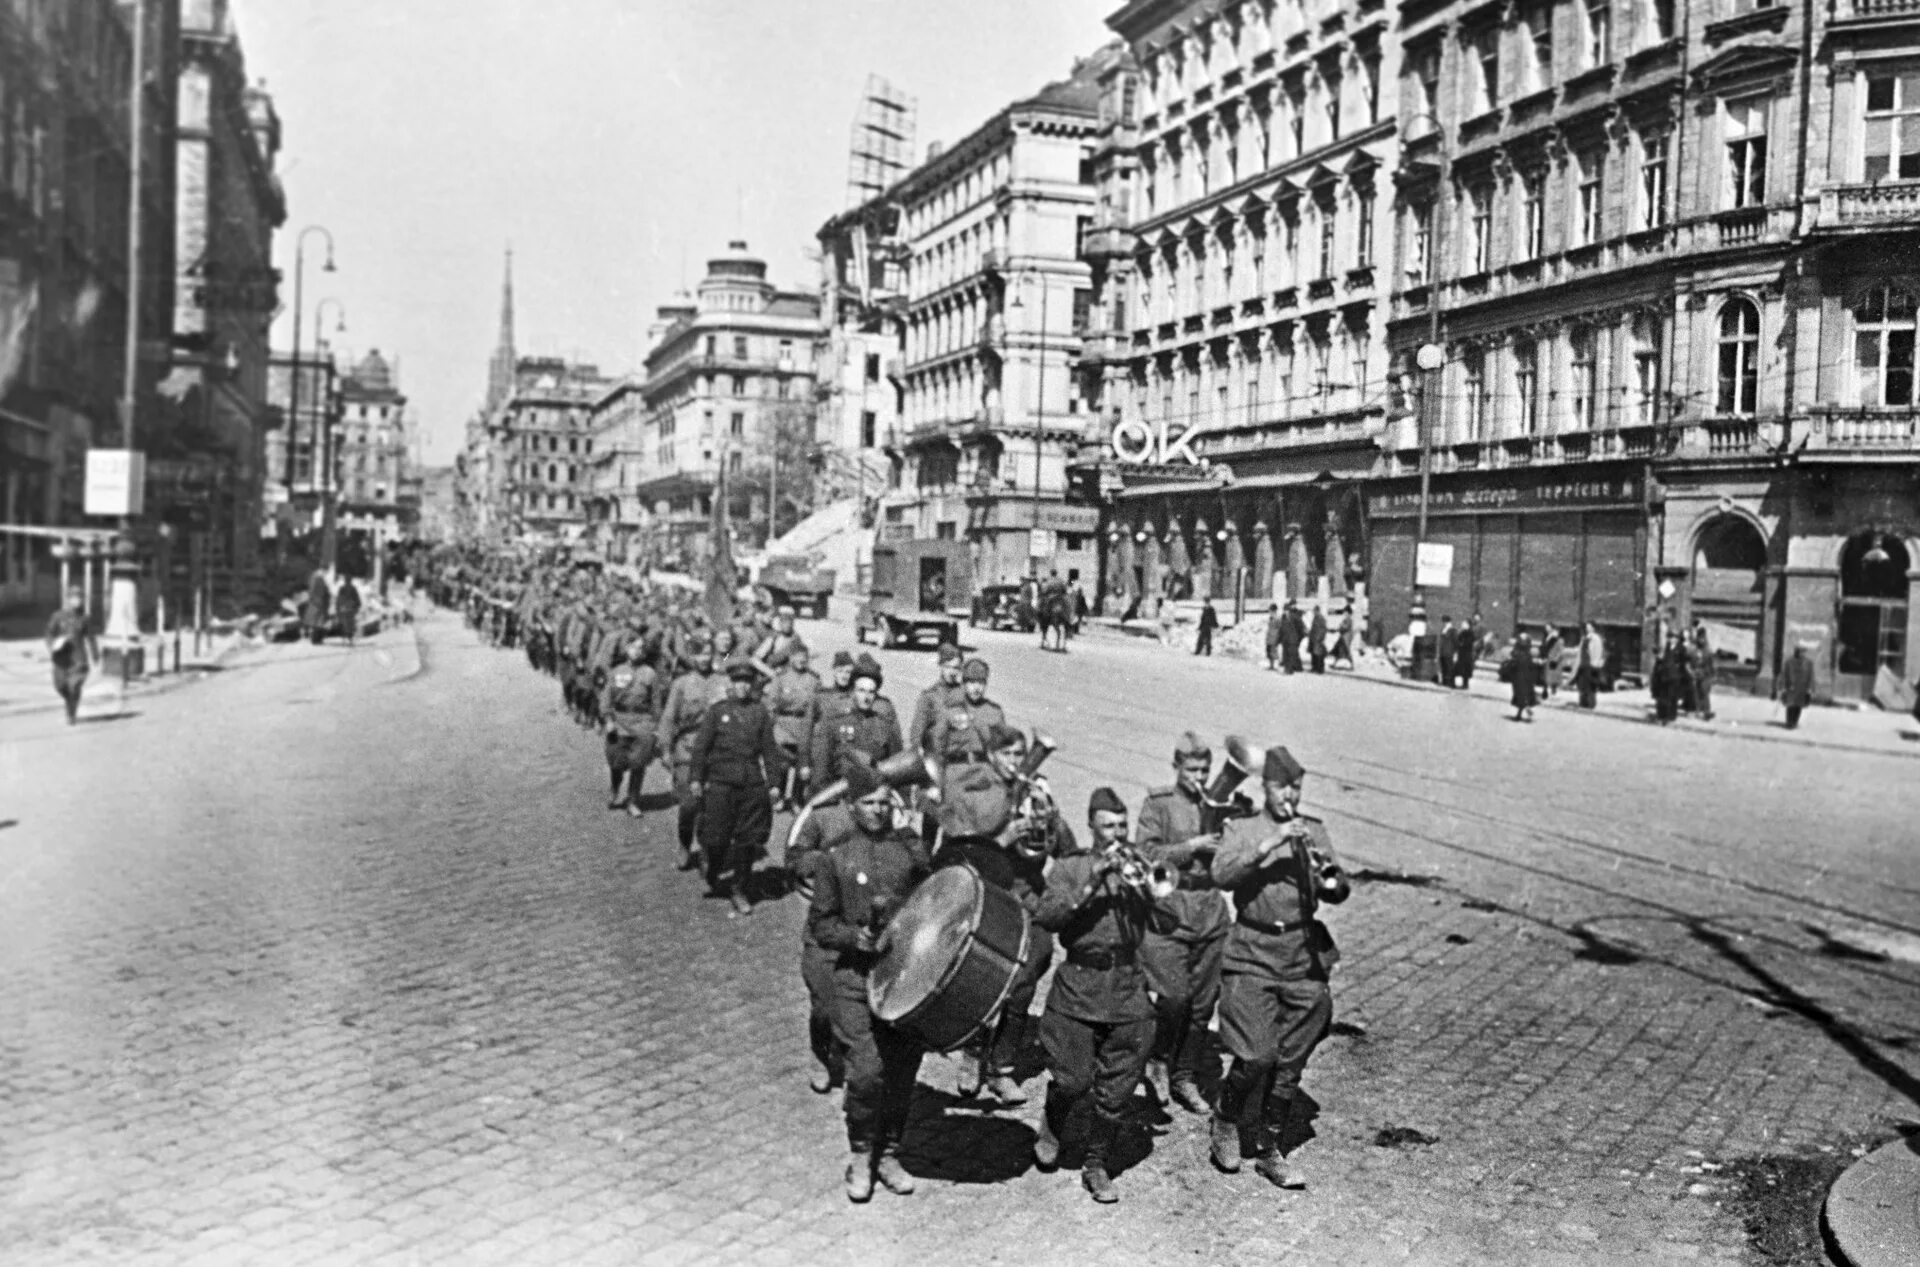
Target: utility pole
123	610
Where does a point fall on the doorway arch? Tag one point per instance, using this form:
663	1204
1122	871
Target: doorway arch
1729	587
1873	607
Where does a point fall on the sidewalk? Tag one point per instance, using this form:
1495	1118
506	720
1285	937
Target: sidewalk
1736	716
26	677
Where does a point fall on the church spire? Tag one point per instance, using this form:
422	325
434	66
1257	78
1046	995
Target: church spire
500	372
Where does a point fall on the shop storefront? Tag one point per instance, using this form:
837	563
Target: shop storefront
1532	548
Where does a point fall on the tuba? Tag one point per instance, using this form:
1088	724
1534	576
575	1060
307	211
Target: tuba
904	769
1221	802
1036	806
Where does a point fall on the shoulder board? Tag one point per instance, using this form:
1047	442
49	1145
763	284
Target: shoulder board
1162	793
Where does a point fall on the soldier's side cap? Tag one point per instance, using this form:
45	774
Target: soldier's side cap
862	779
843	659
740	669
976	671
948	654
1105	801
1191	745
785	609
867	666
1001	735
1281	767
798	648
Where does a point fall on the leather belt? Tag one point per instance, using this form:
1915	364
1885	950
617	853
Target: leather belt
1196	883
963	758
1261	926
1101	959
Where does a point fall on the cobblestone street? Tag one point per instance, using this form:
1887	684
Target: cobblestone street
327	960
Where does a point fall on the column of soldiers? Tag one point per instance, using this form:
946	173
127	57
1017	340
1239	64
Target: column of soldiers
745	726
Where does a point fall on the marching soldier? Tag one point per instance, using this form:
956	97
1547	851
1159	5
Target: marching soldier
791	697
770	653
630	709
688	699
734	767
864	727
931	707
862	883
1275	1005
1183	965
959	734
823	830
989	822
1099	1023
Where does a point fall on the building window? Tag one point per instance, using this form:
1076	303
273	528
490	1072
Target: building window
1329	229
1659	22
1892	150
1474	366
1599	32
1583	400
1746	123
1540	49
869	429
1480	200
737	425
733	462
1363	229
713	345
1647	337
1485	48
1653	181
1593	173
1883	325
1740	357
1526	381
873	367
1419	243
1533	215
739	384
1426	92
739	347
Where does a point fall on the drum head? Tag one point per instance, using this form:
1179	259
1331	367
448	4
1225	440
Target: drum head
929	933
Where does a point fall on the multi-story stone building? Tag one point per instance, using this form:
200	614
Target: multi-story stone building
729	381
208	477
1260	136
995	298
620	424
65	159
863	303
378	489
543	437
292	450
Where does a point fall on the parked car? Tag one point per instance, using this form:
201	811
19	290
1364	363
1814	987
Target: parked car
920	590
1000	607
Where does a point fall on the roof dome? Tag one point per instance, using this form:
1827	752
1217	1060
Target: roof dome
372	373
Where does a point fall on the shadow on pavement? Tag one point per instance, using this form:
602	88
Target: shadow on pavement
96	718
8	822
1784	996
948	1138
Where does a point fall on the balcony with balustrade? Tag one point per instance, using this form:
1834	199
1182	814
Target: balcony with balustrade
1869	13
1862	431
1871	208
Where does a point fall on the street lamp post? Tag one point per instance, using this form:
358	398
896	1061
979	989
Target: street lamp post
1430	359
328	542
293	386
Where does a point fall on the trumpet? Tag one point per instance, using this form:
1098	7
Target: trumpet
1137	871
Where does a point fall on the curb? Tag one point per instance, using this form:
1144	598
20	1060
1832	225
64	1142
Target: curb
1612	715
1873	1208
141	688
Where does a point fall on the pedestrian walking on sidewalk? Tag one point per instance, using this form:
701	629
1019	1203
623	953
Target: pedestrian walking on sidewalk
1550	656
1275	628
1448	649
1520	666
1701	654
319	607
1343	645
346	606
1795	687
1671	679
1467	650
1317	641
1209	621
72	645
1593	663
1293	631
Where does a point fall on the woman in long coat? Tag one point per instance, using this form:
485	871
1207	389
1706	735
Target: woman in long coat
1525	696
1672	679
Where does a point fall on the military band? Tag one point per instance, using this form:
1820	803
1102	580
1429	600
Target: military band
1195	941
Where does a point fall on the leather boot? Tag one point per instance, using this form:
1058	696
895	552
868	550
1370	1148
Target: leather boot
1187	1094
891	1174
860	1174
1224	1144
1093	1174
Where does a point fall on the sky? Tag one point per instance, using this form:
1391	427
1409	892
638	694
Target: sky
616	144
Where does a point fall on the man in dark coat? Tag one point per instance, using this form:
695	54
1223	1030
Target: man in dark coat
319	608
1467	651
1795	687
1525	690
1701	654
346	606
1448	651
72	646
1292	630
1672	678
1317	641
1209	621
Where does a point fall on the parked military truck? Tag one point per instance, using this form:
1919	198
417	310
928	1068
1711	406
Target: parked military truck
794	580
921	590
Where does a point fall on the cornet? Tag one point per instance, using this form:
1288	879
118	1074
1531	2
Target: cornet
1137	871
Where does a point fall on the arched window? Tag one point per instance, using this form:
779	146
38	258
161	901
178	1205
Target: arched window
1883	330
1739	357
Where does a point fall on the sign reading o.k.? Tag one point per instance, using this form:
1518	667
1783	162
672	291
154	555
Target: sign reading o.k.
1135	442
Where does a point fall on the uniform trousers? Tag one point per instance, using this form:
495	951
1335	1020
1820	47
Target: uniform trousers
1270	1026
1185	976
69	682
1098	1059
627	759
689	803
881	1062
734	821
1016	1019
816	969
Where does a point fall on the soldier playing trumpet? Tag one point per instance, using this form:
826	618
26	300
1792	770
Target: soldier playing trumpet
1099	1023
1275	1005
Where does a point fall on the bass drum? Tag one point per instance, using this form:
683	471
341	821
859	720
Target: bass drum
953	952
